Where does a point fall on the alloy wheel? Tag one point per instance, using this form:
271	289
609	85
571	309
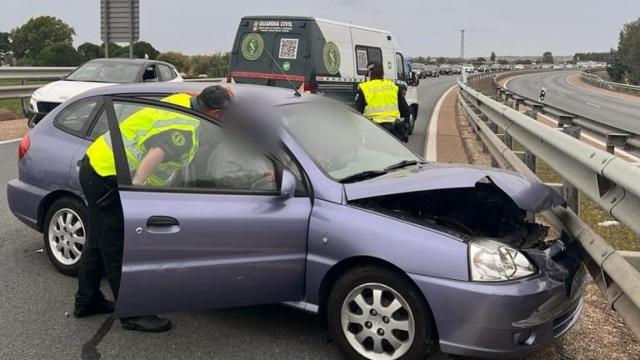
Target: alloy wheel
378	322
67	236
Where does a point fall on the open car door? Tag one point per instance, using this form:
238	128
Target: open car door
217	235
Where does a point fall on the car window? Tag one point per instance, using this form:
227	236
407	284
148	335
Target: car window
166	73
150	74
74	118
107	72
400	66
356	144
364	55
100	126
196	154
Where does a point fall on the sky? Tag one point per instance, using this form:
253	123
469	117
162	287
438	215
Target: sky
421	27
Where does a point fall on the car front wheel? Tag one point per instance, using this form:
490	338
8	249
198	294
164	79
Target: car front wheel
376	314
65	234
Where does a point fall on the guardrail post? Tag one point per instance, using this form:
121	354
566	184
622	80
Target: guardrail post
614	140
571	194
22	104
530	160
519	102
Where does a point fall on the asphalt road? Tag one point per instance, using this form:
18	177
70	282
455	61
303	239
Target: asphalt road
34	301
610	110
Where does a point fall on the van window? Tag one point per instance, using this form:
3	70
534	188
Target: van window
400	67
366	54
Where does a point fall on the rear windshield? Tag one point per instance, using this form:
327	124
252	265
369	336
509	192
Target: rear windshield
105	72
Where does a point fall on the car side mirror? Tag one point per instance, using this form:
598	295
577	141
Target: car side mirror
287	185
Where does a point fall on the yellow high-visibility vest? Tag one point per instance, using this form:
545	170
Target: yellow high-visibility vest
139	127
382	100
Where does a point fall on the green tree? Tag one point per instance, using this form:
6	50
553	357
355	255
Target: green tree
481	60
140	50
547	57
629	51
493	56
4	42
59	54
179	60
616	68
503	61
90	51
39	33
218	65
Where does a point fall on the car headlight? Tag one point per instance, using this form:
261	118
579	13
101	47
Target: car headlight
490	260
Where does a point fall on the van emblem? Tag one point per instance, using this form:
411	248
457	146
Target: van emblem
252	46
286	66
331	58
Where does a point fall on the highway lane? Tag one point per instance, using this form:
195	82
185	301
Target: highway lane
34	300
616	112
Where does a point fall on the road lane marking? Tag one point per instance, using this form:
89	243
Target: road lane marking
9	141
594	105
430	148
599	142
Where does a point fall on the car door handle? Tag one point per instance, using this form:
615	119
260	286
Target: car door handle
162	221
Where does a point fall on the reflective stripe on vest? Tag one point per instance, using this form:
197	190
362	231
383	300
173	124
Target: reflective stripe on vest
382	100
139	127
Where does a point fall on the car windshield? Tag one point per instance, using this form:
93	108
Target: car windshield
343	143
106	72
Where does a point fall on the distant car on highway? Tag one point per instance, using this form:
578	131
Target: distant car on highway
456	69
468	68
393	252
97	73
483	68
505	67
445	69
495	68
519	67
418	69
431	71
558	67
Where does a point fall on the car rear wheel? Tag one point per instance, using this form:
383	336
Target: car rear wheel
65	234
414	116
376	314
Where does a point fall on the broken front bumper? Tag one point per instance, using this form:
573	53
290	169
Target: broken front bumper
508	319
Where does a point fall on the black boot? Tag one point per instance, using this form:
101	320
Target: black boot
102	306
149	323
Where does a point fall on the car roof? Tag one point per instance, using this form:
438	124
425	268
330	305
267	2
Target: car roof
140	62
273	96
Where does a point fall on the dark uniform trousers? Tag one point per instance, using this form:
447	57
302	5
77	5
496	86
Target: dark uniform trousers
102	255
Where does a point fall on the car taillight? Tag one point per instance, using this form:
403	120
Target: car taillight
310	87
24	146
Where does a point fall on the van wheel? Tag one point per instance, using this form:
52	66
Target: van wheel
374	313
65	234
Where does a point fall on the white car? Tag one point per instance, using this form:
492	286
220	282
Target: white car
468	68
97	73
519	67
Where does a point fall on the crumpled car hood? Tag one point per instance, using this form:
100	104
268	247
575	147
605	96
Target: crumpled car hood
528	194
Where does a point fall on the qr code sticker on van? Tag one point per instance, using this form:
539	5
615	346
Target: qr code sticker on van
288	49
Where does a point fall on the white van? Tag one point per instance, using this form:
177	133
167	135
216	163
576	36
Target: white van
319	56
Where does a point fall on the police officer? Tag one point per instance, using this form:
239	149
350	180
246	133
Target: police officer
383	102
157	144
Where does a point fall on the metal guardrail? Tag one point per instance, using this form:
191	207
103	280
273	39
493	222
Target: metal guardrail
614	137
609	181
595	80
24	74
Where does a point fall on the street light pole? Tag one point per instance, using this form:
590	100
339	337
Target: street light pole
462	44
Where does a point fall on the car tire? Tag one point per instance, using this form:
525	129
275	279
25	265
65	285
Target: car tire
65	233
360	325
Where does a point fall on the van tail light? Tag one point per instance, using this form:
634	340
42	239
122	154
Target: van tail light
24	146
309	87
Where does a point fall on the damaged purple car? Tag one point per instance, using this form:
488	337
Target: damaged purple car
398	255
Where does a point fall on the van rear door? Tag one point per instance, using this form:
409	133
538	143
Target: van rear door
271	52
